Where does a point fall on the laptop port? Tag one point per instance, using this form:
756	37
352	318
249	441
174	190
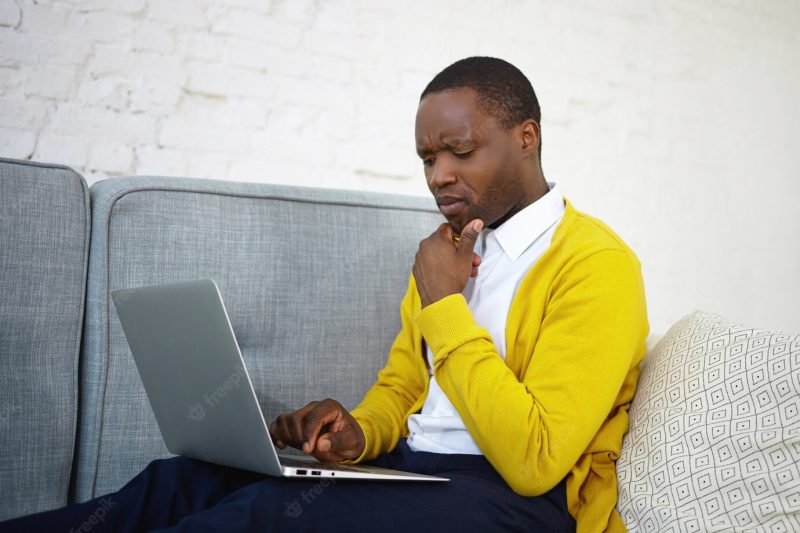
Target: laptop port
301	472
316	473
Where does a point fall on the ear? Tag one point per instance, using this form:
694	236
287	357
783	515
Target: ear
530	136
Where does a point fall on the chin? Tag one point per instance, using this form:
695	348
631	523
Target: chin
457	226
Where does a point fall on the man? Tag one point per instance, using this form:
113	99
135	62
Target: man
555	293
522	330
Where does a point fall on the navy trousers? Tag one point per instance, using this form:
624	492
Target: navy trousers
181	494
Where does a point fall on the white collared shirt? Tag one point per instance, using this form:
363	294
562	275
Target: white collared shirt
507	254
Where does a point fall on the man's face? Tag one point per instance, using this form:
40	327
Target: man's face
472	164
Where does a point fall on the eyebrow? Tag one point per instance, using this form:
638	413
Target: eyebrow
447	142
455	142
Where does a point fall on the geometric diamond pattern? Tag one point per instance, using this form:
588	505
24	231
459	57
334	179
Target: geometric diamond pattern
714	435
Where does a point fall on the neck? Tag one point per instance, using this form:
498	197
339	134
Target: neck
540	185
536	190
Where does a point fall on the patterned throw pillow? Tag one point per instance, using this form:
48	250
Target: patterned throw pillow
714	437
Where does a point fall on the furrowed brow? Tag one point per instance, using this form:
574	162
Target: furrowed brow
455	142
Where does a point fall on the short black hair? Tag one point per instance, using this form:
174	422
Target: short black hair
503	90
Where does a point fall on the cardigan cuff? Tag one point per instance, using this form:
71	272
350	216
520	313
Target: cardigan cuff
447	324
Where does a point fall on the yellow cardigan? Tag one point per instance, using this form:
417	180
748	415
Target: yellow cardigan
558	404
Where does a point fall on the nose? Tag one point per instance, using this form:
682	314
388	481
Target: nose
441	175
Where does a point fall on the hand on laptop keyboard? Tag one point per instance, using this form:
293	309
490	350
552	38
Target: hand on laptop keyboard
323	429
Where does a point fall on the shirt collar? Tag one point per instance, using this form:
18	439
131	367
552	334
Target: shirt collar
517	233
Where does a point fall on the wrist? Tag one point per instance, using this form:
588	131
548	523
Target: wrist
431	297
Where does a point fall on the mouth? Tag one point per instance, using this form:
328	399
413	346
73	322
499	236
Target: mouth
450	206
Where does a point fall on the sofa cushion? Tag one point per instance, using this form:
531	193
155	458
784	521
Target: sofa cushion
44	243
312	280
714	438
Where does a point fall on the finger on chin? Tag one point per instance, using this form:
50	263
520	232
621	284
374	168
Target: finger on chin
446	230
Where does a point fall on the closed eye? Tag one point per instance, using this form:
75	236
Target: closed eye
463	155
428	161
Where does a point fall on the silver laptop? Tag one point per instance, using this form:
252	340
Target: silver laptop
198	386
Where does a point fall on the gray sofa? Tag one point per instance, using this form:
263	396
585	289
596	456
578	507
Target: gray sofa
312	280
44	249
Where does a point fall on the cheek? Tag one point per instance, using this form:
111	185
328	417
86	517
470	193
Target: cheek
491	179
500	193
427	177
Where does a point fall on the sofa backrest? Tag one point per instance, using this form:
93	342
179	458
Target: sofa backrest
312	280
44	243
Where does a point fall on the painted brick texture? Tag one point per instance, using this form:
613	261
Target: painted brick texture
673	121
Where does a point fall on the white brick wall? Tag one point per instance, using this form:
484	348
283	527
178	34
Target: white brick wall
674	121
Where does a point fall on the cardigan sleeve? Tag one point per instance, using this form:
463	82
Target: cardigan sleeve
534	428
400	384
